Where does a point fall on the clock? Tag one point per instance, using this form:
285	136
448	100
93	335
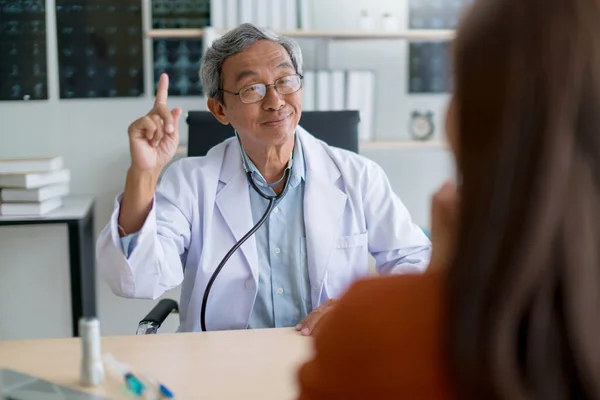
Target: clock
421	125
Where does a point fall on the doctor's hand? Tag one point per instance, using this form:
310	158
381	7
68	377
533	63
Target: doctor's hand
312	323
444	225
153	139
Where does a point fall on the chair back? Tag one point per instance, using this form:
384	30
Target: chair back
336	128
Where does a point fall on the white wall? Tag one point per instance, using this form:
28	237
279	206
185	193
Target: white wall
91	135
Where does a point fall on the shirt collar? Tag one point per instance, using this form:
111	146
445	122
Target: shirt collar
298	167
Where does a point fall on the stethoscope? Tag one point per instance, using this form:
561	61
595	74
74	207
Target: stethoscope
272	200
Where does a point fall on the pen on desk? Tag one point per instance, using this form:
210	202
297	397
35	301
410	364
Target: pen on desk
131	381
165	393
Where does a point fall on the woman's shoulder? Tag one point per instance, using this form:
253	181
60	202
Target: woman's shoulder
418	292
388	331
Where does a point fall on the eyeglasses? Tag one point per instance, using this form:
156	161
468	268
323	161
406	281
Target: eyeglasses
257	91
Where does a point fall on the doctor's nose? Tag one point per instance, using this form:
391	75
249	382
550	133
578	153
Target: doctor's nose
273	99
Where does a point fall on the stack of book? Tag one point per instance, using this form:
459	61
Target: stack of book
32	186
331	90
272	14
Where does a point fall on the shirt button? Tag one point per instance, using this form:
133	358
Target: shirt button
280	290
277	250
276	210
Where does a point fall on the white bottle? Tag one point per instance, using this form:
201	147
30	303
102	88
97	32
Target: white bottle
366	22
92	369
389	23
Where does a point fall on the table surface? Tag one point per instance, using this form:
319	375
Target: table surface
244	364
73	208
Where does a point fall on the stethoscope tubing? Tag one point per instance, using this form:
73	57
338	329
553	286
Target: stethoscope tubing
272	200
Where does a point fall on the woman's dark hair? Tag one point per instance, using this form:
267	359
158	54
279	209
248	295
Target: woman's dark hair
524	287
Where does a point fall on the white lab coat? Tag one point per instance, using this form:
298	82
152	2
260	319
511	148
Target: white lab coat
202	207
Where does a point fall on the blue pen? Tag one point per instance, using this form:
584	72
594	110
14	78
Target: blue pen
131	381
134	384
165	393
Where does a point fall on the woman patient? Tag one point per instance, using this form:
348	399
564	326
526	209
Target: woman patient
509	308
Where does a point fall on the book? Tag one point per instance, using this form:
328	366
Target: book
210	36
30	208
22	165
338	90
261	13
217	14
34	180
276	16
367	106
304	15
323	91
361	97
290	11
231	14
354	92
246	11
309	91
34	195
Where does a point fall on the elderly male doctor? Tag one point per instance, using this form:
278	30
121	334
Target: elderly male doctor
338	207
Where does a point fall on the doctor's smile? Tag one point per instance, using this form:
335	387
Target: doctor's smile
272	225
277	121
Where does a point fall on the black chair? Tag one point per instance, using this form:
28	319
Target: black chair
336	128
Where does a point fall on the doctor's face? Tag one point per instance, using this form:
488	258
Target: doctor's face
272	120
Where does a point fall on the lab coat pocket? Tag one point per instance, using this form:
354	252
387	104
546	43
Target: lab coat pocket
349	261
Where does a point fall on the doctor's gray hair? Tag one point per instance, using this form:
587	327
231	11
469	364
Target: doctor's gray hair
236	41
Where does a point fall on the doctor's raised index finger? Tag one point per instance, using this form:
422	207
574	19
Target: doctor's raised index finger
162	92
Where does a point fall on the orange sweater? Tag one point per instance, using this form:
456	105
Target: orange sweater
382	341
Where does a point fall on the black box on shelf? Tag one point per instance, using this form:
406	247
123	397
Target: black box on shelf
23	50
100	51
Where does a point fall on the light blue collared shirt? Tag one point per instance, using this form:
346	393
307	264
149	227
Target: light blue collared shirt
283	297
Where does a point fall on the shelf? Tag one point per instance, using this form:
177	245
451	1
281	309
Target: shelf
412	35
375	145
402	144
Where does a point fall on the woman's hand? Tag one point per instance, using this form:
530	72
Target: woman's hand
444	224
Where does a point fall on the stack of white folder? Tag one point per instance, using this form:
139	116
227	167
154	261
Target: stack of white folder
335	90
32	186
272	14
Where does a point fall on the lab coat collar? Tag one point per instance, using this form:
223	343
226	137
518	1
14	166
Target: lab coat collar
312	152
296	163
316	157
324	205
233	201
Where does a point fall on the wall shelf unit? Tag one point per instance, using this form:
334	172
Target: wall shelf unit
412	35
323	39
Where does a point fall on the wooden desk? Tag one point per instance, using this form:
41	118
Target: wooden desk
248	364
77	213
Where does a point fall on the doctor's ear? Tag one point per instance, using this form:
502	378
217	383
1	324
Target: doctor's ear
218	110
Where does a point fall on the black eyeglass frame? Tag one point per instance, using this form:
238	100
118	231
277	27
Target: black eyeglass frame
274	84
